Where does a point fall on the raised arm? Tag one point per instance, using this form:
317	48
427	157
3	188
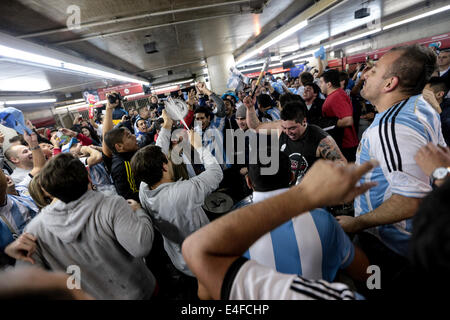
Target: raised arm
163	140
94	156
210	251
218	101
38	155
254	123
108	125
320	65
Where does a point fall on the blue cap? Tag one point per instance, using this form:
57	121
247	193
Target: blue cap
13	118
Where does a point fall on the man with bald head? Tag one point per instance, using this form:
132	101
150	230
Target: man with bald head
21	156
405	122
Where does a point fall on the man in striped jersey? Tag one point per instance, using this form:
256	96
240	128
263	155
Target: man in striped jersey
214	253
312	245
405	122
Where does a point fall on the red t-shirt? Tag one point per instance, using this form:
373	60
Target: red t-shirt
337	104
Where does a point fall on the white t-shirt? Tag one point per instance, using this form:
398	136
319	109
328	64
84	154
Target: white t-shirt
99	130
19	174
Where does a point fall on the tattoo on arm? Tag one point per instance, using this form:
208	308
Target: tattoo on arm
329	150
252	119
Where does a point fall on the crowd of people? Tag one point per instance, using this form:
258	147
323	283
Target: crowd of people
314	179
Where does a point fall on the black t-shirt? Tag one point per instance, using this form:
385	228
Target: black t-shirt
302	152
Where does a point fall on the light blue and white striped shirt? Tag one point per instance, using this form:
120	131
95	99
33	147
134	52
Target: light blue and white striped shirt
312	245
393	139
274	113
18	211
213	140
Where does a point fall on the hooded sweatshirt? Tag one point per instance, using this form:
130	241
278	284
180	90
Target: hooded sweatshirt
176	207
101	235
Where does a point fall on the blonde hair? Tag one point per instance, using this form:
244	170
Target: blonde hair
36	192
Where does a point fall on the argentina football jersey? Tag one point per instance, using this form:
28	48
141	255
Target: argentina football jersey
393	139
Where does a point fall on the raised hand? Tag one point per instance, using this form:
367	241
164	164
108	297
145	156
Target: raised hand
168	122
328	183
22	248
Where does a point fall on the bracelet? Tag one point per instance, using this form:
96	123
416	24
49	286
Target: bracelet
35	148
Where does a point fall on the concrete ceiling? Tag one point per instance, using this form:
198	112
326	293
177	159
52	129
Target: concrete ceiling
113	33
184	38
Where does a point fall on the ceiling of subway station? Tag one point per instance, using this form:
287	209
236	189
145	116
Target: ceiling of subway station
185	32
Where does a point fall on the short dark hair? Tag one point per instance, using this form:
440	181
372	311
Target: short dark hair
343	76
230	99
17	138
147	165
306	77
331	76
430	240
413	68
439	84
137	121
64	177
114	136
314	86
141	108
285	98
204	110
295	111
264	101
264	182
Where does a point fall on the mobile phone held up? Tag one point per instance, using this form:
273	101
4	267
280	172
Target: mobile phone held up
113	98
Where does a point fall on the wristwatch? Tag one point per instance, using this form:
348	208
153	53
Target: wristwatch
439	174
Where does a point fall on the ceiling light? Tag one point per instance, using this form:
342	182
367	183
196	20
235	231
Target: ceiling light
358	48
263	45
20	55
174	84
30	101
362	35
420	16
298	55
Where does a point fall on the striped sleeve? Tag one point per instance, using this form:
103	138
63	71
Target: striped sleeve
248	280
274	113
402	131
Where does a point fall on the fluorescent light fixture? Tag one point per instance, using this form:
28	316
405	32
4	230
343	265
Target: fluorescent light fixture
362	35
358	48
77	106
174	84
420	16
315	40
275	65
165	88
32	82
278	38
30	101
20	55
135	95
358	36
298	55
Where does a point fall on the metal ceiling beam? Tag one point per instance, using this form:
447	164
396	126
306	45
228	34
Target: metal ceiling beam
105	35
136	17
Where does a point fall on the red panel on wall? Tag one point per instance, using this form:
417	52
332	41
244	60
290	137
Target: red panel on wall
123	89
43	122
272	71
336	63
